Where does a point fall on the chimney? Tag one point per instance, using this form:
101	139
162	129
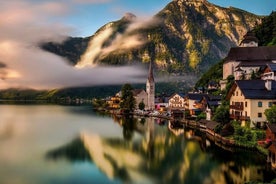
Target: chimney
268	84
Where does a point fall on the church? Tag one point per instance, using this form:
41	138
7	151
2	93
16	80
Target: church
148	96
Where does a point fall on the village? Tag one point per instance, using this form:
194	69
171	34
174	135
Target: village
249	77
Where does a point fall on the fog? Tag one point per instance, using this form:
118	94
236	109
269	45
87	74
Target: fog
24	65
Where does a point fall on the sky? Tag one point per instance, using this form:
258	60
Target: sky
90	17
25	23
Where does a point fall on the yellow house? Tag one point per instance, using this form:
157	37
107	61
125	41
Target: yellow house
249	99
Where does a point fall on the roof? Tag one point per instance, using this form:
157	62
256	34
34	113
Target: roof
255	89
264	53
137	91
213	103
272	67
250	36
272	127
209	124
254	63
196	96
180	94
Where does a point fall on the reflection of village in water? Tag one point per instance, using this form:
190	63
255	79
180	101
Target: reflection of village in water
149	153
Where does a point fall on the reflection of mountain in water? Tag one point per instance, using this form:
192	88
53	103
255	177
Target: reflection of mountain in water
155	155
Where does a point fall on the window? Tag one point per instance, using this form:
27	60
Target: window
245	114
260	104
237	93
260	115
245	104
270	104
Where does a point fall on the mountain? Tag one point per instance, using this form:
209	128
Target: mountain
266	34
186	36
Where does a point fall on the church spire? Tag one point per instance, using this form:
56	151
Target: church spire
150	75
150	88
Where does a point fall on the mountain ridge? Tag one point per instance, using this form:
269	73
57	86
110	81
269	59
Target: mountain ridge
184	37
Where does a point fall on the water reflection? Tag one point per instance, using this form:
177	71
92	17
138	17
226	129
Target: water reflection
149	153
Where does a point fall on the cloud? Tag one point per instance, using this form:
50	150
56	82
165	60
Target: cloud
129	39
23	64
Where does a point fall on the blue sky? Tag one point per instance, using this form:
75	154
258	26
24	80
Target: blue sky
87	18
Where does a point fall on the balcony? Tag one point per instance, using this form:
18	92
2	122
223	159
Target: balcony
237	107
241	118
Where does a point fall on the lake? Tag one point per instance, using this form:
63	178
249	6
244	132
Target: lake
73	144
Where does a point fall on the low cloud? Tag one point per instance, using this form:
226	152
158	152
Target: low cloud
24	65
127	40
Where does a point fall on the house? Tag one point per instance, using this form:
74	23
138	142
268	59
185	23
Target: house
162	102
249	99
176	101
271	135
269	72
246	60
140	95
209	104
192	103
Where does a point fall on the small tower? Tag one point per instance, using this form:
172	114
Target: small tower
249	40
150	88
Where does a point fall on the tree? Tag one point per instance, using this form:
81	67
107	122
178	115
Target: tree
222	114
127	101
271	114
141	105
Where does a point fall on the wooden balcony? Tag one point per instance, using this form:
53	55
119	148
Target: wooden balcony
241	118
237	107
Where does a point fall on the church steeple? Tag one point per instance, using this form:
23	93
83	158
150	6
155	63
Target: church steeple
150	88
150	74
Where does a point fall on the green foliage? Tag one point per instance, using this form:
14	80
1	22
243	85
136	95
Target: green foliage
202	115
127	100
246	136
271	114
222	114
141	105
213	74
266	31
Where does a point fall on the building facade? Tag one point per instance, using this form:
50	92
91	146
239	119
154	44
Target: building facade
249	99
176	101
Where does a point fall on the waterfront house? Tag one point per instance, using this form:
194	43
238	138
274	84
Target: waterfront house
192	103
249	99
176	101
162	102
209	104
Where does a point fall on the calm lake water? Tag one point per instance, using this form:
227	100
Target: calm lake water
72	144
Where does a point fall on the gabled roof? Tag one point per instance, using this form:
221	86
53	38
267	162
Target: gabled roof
137	91
254	89
264	53
272	67
180	94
